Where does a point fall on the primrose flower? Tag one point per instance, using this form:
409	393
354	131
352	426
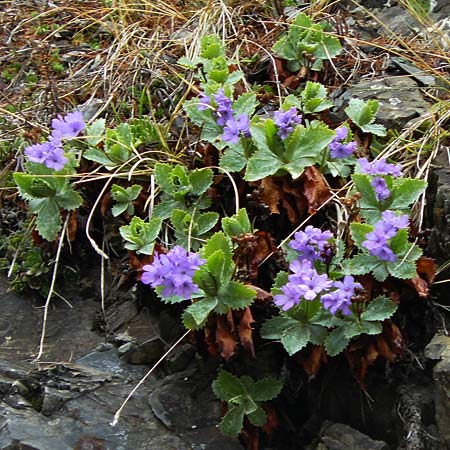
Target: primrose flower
173	271
224	109
385	229
55	159
49	153
286	120
337	148
310	243
304	283
69	126
380	187
341	298
37	153
234	127
379	167
204	103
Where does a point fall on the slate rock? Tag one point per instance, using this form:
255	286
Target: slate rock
337	436
399	100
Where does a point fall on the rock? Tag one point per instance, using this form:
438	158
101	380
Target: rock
180	358
439	348
337	436
438	213
399	100
146	353
183	402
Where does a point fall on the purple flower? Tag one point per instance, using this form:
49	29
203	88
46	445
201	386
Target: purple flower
379	167
234	127
173	271
337	148
380	187
37	153
304	283
55	159
224	109
310	243
286	120
204	103
385	229
341	298
69	126
49	153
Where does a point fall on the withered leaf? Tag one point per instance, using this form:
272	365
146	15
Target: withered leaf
225	338
316	189
245	331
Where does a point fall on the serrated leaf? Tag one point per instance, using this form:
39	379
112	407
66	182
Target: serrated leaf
380	308
235	295
363	186
380	272
69	200
233	158
237	224
406	191
140	235
201	309
275	327
362	263
200	180
206	221
218	241
227	386
233	420
265	389
245	104
374	128
48	220
95	132
295	338
363	114
336	342
304	147
258	417
359	232
93	154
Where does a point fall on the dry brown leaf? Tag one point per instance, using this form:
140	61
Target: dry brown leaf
270	194
245	331
225	338
315	189
72	226
313	362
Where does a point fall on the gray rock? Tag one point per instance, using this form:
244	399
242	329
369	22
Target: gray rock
337	436
439	348
438	214
146	353
399	100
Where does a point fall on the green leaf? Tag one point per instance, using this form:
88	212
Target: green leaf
200	310
227	386
304	146
95	132
380	308
232	422
220	267
206	221
245	104
233	158
200	180
262	164
234	295
362	263
275	327
368	198
406	191
218	241
265	389
314	98
336	341
98	156
140	235
295	338
363	114
124	198
48	221
359	232
258	417
69	200
237	225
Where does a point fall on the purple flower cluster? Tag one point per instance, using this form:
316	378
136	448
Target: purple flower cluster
173	271
51	153
341	298
379	167
304	283
286	120
339	149
310	243
233	126
380	187
385	229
